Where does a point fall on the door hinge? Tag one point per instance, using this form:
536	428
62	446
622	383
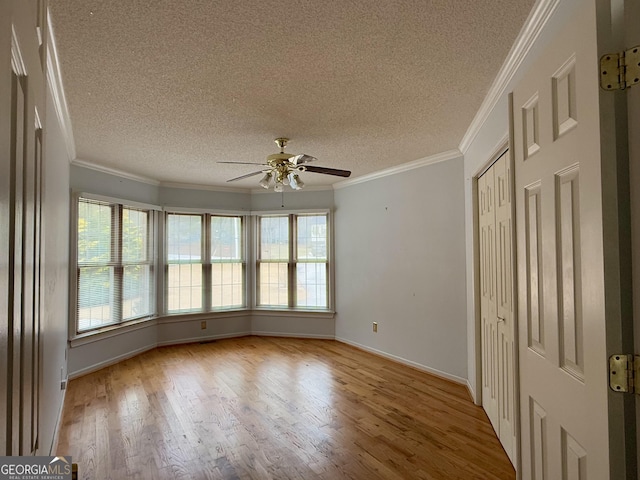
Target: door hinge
620	70
624	373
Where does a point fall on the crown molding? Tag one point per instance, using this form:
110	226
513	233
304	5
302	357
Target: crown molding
538	18
113	171
405	167
186	186
54	80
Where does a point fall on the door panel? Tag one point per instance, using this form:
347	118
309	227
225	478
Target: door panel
563	384
533	264
569	275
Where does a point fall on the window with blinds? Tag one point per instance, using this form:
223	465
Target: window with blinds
115	264
205	262
292	269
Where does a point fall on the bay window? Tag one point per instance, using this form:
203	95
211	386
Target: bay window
203	263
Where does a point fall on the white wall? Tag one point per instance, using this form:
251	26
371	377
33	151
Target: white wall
56	276
53	284
400	263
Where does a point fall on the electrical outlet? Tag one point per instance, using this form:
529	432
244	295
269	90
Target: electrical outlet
375	327
203	325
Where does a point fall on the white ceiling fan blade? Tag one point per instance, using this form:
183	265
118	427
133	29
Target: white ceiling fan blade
244	163
302	158
246	176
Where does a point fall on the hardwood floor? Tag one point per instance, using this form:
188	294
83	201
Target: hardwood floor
274	408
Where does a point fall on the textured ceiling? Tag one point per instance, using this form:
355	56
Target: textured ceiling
165	89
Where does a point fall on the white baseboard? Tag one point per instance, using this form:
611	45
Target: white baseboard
404	361
200	339
294	335
472	393
56	429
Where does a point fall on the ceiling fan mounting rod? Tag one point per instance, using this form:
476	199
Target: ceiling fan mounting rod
282	143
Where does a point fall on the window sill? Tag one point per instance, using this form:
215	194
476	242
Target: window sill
131	326
293	312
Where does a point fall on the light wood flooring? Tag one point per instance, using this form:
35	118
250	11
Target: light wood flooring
274	408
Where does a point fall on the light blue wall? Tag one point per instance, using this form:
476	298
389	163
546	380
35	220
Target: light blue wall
193	198
306	199
100	183
400	263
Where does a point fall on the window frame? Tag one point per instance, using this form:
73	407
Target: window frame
292	261
205	260
116	262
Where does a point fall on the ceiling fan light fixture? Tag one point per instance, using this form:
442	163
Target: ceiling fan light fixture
294	181
266	180
278	187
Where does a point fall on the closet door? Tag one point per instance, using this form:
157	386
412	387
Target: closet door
496	305
505	327
488	301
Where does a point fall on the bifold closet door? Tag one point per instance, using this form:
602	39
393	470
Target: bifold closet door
496	302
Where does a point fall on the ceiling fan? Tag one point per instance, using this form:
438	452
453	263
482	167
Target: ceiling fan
283	169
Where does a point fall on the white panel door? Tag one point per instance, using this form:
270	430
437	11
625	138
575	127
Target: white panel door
496	302
505	308
488	301
562	351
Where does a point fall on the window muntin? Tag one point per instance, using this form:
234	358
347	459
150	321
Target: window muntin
205	262
293	265
115	269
